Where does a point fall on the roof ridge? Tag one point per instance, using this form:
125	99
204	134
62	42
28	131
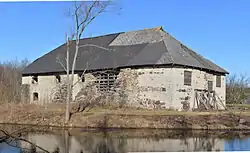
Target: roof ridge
166	46
158	28
102	35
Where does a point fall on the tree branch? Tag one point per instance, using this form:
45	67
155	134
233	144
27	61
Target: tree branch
8	143
81	75
88	11
76	15
99	12
21	139
59	61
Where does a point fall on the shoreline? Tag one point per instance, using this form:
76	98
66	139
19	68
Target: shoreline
157	126
235	129
126	133
123	118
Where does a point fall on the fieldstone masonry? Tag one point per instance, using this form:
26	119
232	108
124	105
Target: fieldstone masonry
154	88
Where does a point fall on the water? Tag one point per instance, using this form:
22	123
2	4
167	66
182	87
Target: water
122	141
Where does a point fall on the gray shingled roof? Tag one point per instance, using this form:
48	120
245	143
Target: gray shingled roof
176	52
48	63
135	48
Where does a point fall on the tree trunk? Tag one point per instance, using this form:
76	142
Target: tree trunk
66	140
67	115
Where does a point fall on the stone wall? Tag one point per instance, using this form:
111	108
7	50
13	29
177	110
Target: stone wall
164	87
43	87
49	89
145	87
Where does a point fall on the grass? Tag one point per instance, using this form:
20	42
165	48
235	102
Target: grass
239	105
53	115
145	112
60	108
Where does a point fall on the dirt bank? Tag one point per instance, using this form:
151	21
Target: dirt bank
53	115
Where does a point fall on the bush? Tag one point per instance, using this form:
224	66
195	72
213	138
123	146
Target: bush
11	81
236	89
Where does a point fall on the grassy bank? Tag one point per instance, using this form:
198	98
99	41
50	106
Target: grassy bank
53	115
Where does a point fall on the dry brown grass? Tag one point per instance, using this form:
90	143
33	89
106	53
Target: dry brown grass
13	110
53	115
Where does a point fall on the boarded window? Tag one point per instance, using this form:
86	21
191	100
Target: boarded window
58	78
218	81
187	78
210	85
105	81
34	79
35	96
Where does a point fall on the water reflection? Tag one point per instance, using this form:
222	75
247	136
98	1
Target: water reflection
7	147
238	144
77	141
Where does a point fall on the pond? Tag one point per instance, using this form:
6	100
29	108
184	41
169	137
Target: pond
121	141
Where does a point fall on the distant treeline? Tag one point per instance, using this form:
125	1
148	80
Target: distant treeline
11	80
237	89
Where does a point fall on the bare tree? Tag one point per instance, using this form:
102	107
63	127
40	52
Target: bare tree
236	88
11	81
69	83
84	13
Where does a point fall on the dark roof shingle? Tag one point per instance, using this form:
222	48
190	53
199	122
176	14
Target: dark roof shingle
135	48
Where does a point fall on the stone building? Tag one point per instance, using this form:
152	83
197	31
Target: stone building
149	67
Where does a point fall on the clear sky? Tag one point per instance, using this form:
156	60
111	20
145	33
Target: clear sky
217	29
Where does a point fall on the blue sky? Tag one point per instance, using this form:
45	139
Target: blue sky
217	29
